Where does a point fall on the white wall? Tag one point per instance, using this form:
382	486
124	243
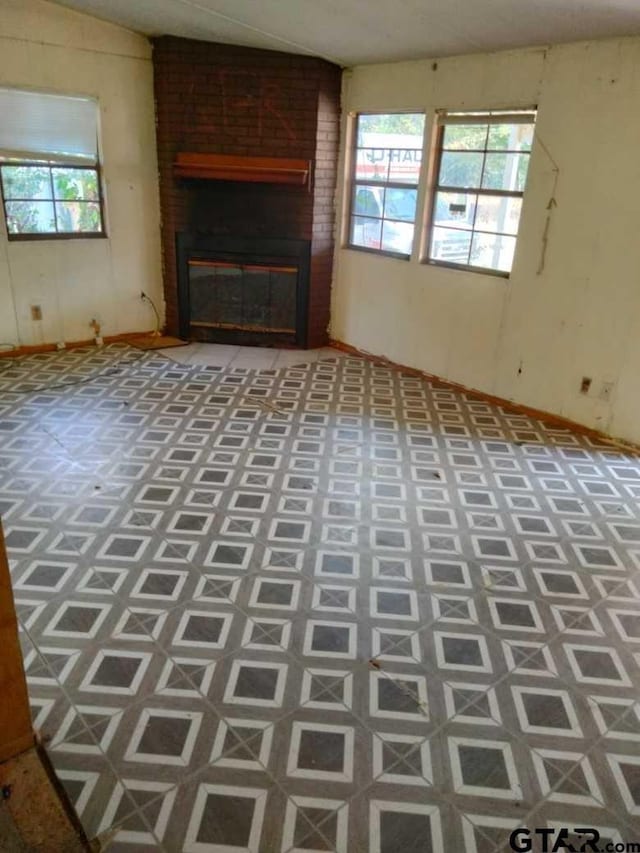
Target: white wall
43	46
581	316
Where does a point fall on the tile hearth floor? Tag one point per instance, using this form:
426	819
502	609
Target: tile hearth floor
319	607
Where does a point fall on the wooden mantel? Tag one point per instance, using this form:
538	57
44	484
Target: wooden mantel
226	167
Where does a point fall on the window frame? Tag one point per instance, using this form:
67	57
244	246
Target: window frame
492	116
352	183
93	166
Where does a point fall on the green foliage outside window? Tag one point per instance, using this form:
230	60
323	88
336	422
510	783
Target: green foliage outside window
403	123
43	199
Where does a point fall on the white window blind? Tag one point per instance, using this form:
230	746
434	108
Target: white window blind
34	125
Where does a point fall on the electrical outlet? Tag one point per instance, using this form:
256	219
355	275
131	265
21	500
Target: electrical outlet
585	385
606	391
36	312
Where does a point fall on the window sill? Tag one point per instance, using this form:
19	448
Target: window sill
399	256
465	268
25	238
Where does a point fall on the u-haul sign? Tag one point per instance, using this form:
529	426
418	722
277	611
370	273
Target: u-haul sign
389	157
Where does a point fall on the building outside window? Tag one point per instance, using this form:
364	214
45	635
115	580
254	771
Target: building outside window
386	167
49	167
482	160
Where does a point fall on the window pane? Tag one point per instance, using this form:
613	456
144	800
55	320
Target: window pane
366	232
407	124
456	209
505	171
404	165
465	136
389	151
515	137
30	217
460	169
26	182
450	245
484	162
493	251
372	164
368	201
498	213
70	184
400	204
77	216
397	237
389	164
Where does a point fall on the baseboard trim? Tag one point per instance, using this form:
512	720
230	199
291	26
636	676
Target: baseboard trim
89	342
509	405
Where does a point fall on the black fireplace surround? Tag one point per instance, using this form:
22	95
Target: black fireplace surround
243	290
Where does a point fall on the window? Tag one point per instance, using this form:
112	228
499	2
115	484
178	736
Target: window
481	169
49	172
44	200
384	186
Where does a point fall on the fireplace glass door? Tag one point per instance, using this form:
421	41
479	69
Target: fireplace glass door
242	297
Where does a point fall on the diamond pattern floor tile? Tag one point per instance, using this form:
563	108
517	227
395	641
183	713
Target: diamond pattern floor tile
318	604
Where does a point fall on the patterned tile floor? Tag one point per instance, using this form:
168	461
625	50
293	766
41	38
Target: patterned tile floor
325	607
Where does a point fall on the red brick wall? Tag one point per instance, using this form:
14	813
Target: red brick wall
224	99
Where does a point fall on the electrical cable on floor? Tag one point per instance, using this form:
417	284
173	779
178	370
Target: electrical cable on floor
148	299
11	347
110	371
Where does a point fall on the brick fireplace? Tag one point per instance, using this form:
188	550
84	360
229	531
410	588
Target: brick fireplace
258	132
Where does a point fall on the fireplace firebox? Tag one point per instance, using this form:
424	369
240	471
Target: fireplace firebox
243	290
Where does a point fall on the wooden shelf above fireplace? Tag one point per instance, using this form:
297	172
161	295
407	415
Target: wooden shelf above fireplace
226	167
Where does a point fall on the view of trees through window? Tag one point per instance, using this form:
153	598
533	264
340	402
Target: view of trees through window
44	199
403	123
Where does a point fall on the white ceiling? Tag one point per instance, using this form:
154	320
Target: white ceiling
351	32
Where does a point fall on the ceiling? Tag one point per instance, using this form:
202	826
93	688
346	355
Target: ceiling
351	32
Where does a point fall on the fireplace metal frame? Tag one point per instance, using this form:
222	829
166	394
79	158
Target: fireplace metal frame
244	250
